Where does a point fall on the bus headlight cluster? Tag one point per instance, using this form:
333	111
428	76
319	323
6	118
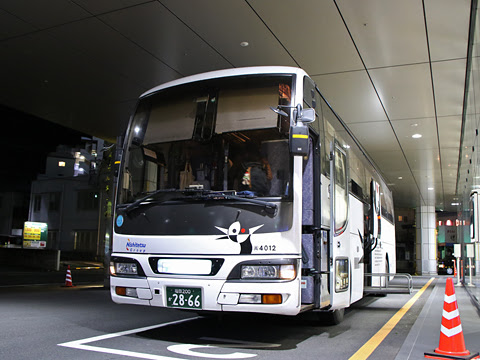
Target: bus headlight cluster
274	272
119	268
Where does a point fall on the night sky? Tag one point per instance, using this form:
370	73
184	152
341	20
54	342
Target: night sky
25	141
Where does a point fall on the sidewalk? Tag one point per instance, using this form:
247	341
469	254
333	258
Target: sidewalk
473	289
425	333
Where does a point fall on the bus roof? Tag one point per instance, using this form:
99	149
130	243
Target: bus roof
226	73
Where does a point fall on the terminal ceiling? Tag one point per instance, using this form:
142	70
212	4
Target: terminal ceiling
390	68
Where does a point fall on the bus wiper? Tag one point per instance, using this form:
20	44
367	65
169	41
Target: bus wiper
136	203
269	207
196	194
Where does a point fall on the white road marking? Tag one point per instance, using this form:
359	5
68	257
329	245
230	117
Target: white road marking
240	343
183	349
186	349
80	344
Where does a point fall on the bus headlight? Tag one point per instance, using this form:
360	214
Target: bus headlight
273	272
123	266
118	268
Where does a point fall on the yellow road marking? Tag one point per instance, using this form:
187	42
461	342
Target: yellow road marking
369	347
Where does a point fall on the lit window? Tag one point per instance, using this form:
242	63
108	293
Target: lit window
61	163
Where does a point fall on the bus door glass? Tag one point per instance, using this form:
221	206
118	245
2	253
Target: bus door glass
339	233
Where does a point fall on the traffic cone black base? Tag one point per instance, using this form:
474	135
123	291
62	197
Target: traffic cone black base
434	355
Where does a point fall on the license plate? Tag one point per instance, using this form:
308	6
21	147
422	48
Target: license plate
180	297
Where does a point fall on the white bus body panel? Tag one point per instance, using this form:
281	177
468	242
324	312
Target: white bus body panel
356	249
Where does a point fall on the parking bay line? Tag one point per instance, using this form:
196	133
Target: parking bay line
183	349
369	347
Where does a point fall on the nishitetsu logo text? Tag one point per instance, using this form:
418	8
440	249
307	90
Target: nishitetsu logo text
133	246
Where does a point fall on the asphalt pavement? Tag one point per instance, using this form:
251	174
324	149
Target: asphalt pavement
70	322
83	272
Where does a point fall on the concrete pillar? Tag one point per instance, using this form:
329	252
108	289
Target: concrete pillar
426	243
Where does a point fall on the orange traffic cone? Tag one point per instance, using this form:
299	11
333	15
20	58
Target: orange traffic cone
452	343
68	279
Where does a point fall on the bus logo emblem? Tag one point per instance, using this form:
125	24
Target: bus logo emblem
239	235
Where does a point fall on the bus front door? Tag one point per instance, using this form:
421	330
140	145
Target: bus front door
339	232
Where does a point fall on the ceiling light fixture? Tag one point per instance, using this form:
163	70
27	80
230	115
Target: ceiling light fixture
244	44
416	136
430	188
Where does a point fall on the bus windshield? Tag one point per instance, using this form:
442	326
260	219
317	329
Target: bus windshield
216	135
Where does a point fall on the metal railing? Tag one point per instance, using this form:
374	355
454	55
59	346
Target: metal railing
387	287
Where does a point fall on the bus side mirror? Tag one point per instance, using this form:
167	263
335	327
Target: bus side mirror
299	140
306	116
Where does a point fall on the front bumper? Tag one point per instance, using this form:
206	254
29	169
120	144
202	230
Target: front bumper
217	294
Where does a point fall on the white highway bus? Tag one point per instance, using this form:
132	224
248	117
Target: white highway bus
241	190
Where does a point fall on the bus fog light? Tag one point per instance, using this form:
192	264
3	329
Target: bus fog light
132	292
250	299
287	272
260	271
